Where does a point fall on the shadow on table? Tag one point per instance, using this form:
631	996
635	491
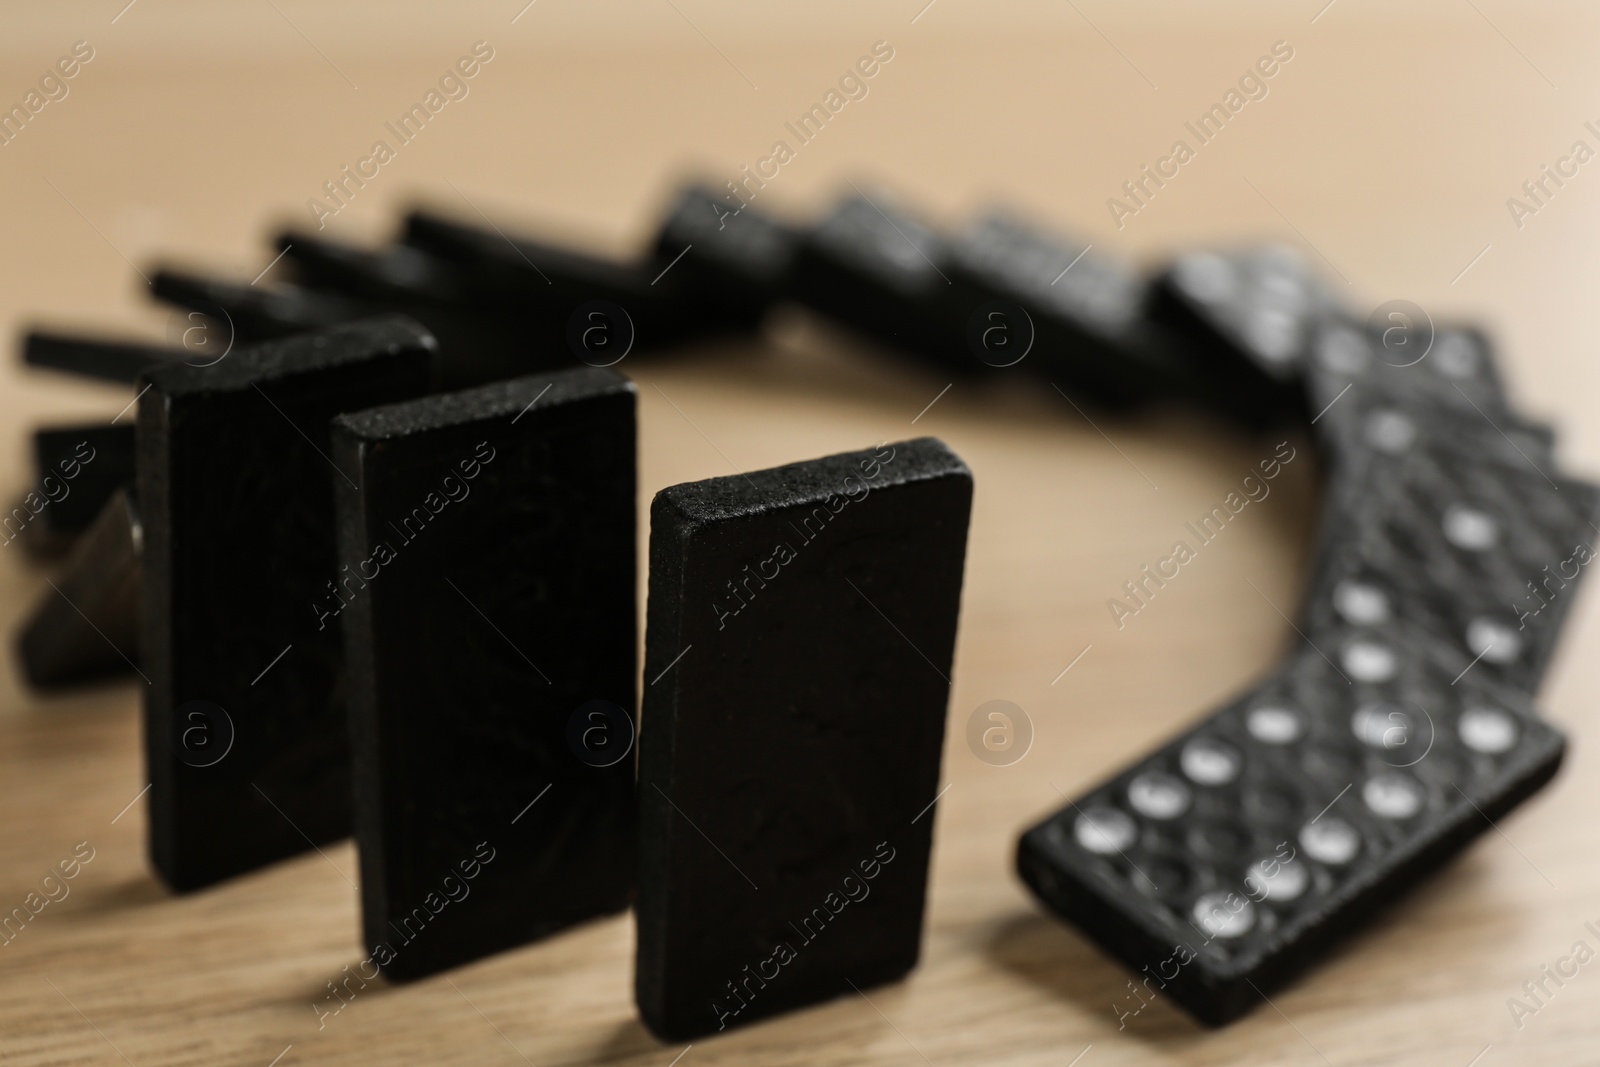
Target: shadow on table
133	891
1062	963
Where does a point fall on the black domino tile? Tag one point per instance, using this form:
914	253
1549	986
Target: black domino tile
801	627
1459	370
875	267
85	626
394	272
488	597
1369	424
243	314
1484	554
556	284
1231	859
334	283
718	244
112	361
76	469
1370	429
245	736
1250	314
483	335
1088	334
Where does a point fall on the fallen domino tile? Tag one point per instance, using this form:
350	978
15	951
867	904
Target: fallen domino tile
1247	314
738	253
86	625
1236	856
76	470
875	267
1081	326
244	314
637	304
112	361
482	337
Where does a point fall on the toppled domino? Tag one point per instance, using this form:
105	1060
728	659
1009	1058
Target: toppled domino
245	314
482	336
112	361
801	627
245	733
1482	552
1234	857
1083	329
389	273
878	269
742	255
86	627
1249	315
1456	370
604	308
487	593
76	471
1371	428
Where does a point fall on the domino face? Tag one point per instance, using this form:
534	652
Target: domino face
801	628
878	269
1249	314
1060	276
1458	371
1230	859
726	248
1368	430
488	598
1081	323
1368	424
244	718
1483	555
1262	304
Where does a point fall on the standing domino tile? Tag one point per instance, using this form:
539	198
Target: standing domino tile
801	628
487	594
244	716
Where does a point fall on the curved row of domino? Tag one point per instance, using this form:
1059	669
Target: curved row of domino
380	576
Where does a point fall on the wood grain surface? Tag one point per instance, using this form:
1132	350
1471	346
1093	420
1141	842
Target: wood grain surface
1386	149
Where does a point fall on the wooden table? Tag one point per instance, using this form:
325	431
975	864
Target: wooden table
1386	148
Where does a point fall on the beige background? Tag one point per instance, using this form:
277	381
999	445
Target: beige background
1386	149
